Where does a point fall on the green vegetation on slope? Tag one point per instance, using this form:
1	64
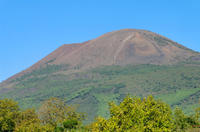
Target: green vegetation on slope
93	89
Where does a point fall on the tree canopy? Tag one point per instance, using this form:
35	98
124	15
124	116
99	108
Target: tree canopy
138	114
132	114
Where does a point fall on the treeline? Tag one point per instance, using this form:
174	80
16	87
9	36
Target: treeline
132	114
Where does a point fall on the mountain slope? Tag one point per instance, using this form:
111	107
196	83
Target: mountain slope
92	73
128	46
124	47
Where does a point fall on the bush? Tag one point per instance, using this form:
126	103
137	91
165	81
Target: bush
134	114
54	111
70	124
9	111
182	122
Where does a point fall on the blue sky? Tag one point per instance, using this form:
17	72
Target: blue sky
31	29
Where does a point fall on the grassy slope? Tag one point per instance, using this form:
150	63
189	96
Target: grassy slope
92	90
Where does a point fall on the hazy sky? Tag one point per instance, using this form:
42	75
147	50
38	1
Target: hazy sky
31	29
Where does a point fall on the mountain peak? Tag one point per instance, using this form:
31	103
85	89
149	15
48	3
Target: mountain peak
121	47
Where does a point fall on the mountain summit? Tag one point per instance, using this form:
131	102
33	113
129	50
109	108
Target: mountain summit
122	47
127	46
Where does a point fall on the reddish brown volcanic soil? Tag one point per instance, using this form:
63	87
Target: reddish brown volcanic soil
127	46
121	47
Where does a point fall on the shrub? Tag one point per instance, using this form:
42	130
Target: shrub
9	111
70	124
137	114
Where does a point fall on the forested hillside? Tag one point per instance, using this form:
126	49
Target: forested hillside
93	89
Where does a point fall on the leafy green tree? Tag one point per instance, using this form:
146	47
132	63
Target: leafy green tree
70	123
180	120
183	122
9	111
35	127
135	114
26	119
54	112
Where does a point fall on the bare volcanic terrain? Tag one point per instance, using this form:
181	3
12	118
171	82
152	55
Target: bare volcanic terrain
127	46
128	61
121	47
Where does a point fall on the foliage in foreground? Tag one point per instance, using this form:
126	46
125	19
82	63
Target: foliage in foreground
53	115
132	114
143	115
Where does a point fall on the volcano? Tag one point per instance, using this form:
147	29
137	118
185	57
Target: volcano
127	46
97	71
